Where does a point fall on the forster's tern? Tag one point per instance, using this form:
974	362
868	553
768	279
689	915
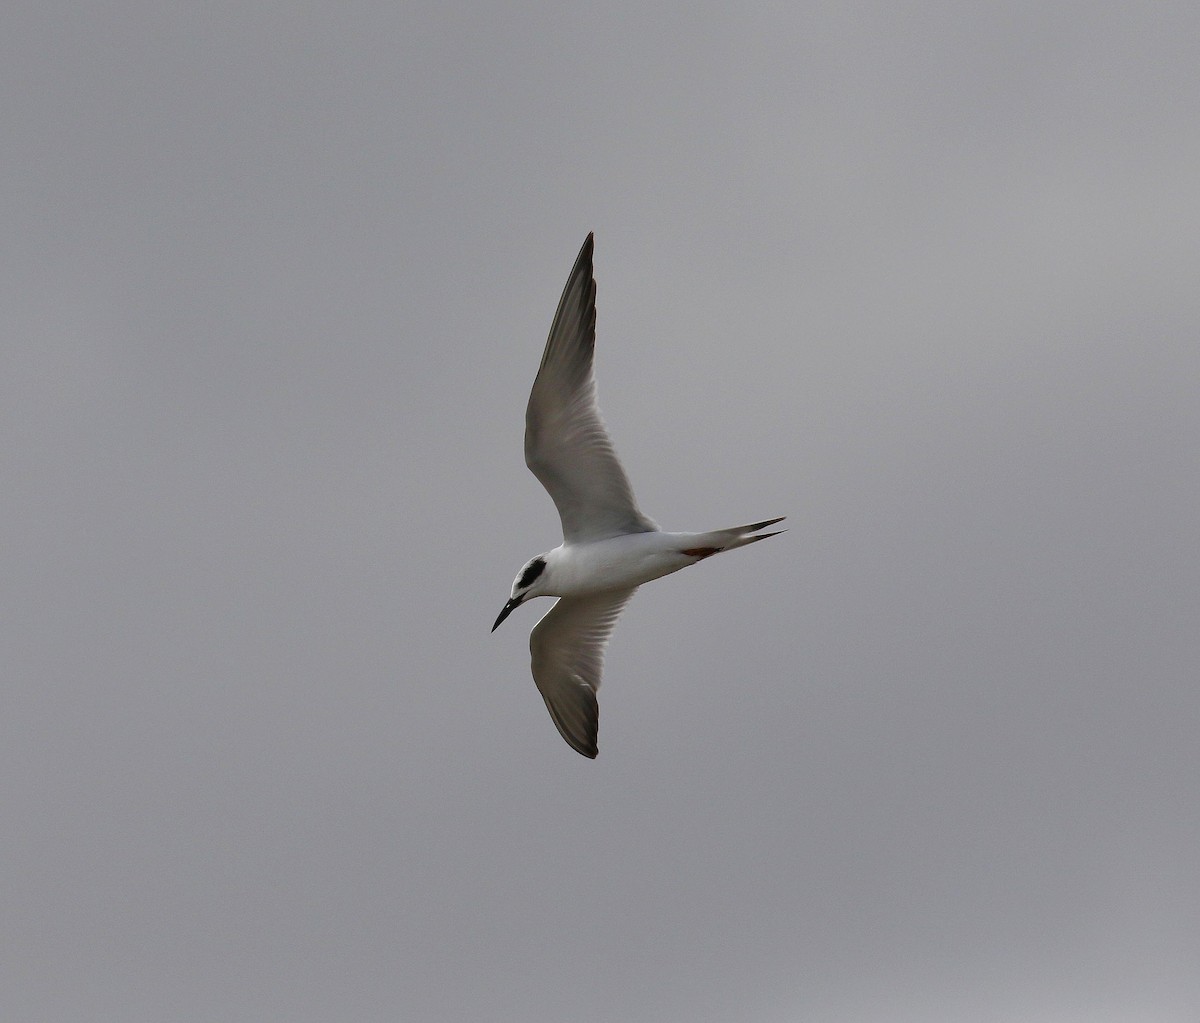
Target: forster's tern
609	547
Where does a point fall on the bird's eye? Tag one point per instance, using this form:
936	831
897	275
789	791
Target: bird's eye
532	571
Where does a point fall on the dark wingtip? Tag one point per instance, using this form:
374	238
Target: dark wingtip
763	525
584	745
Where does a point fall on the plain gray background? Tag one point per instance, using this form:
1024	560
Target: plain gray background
276	279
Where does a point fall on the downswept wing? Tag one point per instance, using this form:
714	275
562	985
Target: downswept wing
567	648
566	444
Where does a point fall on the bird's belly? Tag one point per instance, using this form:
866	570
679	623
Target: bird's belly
617	564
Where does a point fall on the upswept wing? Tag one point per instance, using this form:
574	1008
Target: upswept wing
566	444
567	648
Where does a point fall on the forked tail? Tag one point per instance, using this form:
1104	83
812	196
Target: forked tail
704	545
739	536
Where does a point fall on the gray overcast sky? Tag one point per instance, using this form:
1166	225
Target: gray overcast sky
922	277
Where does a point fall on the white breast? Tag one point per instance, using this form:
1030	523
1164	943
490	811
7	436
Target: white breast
616	563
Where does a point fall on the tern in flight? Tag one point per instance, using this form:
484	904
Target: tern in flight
609	547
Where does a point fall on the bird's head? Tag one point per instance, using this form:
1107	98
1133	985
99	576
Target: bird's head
525	585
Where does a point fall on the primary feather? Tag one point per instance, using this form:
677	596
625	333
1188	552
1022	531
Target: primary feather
566	444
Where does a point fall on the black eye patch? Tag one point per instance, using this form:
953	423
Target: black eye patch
532	571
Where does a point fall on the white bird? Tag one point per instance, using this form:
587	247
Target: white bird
609	547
